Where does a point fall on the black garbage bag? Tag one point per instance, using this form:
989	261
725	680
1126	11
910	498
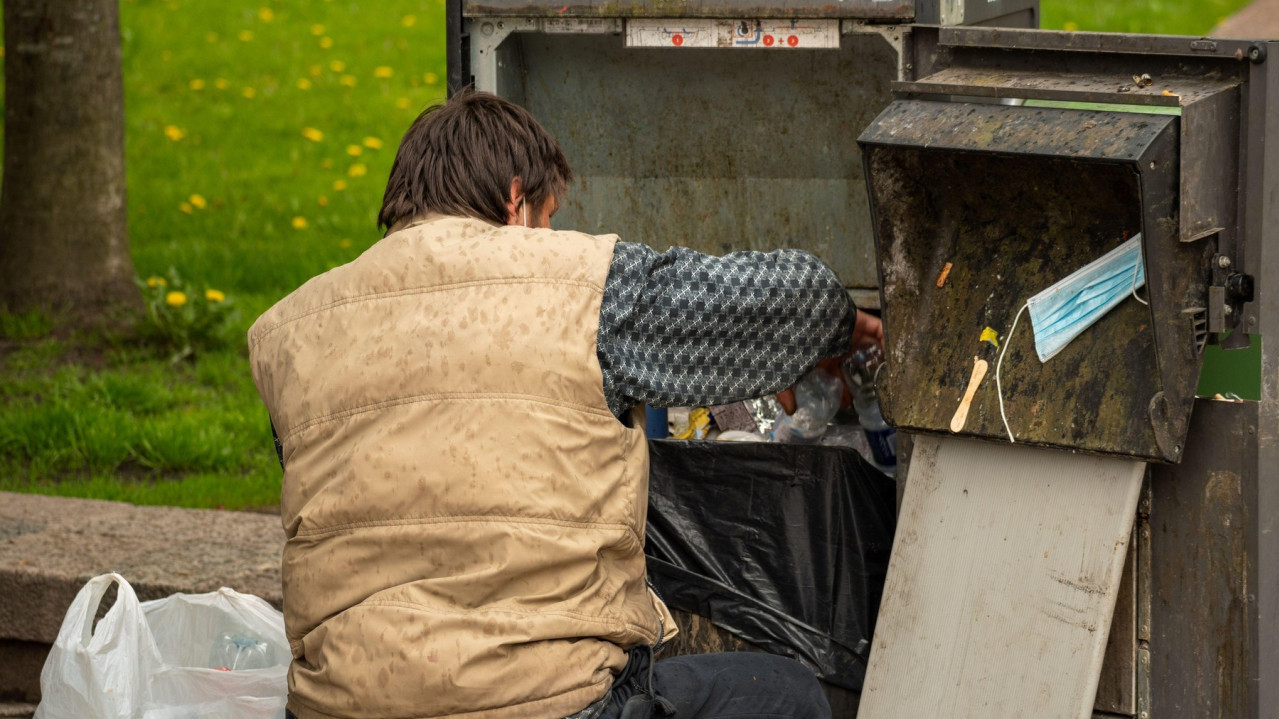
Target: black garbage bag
784	546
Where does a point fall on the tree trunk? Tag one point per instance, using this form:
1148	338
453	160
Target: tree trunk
64	244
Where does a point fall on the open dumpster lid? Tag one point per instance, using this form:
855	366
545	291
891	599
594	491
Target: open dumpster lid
1013	196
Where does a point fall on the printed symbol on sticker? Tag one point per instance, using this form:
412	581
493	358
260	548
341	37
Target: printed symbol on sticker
677	39
768	41
793	40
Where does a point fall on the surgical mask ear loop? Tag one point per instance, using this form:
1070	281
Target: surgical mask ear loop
999	387
1134	285
524	206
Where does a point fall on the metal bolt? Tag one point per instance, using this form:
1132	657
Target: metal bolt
1223	262
487	28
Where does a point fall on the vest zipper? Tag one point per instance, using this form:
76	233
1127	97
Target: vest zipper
661	623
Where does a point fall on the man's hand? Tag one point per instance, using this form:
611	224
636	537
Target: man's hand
867	330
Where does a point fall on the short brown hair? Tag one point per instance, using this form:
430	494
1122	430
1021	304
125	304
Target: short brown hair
459	158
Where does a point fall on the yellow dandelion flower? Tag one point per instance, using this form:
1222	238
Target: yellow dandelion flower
214	296
315	70
198	201
326	42
173	132
211	37
266	14
326	163
357	170
317	30
431	78
383	71
175	299
196	84
354	150
299	223
312	134
1070	26
154	282
221	83
304	84
402	103
250	93
322	201
337	66
408	20
348	80
339	185
185	207
373	143
344	244
245	35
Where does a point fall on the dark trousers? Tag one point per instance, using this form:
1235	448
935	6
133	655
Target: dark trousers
741	685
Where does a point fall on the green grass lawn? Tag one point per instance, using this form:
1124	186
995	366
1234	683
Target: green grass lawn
259	138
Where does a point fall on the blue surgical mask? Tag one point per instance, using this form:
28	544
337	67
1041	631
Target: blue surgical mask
1060	313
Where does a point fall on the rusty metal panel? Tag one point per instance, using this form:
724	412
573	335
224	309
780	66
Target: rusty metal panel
1015	199
1204	528
1003	578
1046	132
734	9
717	150
1117	687
1210	167
1260	203
1026	41
1079	86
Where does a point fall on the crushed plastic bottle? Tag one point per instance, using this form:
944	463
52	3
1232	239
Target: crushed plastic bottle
881	437
860	370
234	652
817	397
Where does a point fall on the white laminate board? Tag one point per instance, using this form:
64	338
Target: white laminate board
1002	582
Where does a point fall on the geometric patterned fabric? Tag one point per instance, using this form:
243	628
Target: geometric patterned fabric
685	328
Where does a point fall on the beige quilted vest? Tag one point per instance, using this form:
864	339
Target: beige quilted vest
465	517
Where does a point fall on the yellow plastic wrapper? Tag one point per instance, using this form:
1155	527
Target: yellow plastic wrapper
699	423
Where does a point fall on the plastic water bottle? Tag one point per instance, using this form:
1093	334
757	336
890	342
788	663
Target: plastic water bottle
859	371
816	402
881	437
235	652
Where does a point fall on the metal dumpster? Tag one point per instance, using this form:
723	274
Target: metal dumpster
1016	156
1019	156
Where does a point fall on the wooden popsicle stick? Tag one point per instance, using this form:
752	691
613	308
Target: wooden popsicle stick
961	415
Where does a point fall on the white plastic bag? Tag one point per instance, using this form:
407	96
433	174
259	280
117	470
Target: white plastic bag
99	673
188	656
216	648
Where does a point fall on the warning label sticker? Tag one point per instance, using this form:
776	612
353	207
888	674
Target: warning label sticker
764	34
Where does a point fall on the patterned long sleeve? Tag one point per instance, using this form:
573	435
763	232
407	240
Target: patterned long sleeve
684	328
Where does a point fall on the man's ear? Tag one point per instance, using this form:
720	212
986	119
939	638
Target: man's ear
514	199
